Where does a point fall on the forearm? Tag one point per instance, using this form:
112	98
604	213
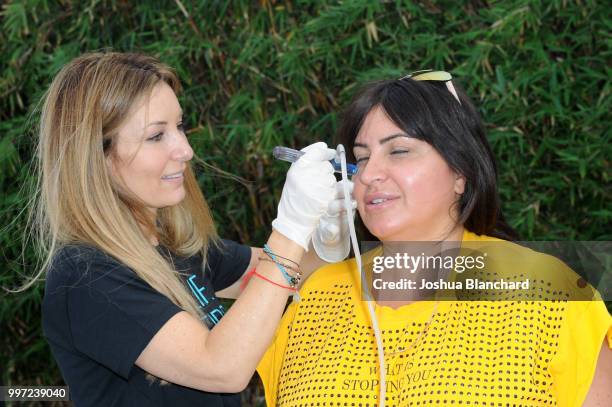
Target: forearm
242	336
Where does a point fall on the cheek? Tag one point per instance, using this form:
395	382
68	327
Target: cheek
432	184
141	175
148	161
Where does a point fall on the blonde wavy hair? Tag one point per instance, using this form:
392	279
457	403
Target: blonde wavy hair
79	203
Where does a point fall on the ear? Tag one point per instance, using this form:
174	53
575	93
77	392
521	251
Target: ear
459	186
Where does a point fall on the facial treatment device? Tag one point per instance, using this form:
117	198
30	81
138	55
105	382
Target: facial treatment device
291	155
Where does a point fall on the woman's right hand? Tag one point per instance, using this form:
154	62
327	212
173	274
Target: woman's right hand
308	189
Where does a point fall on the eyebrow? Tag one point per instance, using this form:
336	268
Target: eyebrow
163	122
383	141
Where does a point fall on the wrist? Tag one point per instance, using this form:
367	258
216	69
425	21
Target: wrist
285	247
271	272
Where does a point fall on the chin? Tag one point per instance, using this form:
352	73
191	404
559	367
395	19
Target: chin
170	202
179	196
174	203
383	232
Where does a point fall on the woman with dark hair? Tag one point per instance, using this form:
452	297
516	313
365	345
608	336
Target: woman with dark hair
426	173
443	128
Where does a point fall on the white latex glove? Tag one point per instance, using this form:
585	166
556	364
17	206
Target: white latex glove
308	190
331	239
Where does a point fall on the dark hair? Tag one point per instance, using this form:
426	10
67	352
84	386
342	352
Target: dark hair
428	111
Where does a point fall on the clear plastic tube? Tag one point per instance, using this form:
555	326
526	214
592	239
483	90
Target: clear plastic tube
382	390
291	155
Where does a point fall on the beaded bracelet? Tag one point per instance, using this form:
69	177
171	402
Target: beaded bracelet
288	267
291	280
282	266
268	251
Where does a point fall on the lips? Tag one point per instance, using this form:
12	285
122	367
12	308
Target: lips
379	200
175	175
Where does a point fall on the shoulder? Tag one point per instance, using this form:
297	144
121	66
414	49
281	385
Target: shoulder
343	276
331	274
77	264
226	262
510	251
78	255
550	278
223	250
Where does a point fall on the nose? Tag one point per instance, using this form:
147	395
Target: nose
181	150
371	171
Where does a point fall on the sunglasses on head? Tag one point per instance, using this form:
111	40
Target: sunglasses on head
438	76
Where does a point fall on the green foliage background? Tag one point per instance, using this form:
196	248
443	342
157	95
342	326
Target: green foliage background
260	74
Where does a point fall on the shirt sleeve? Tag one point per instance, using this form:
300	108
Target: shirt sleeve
588	324
113	314
226	263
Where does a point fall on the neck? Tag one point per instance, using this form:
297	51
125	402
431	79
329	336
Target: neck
152	217
407	254
447	233
152	212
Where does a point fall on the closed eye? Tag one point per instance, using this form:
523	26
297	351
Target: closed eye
156	137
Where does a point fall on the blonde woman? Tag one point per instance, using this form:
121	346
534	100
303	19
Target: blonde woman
134	265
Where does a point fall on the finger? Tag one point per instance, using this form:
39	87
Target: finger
318	152
317	145
313	173
330	233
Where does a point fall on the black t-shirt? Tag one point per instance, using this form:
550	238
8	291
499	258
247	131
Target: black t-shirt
98	317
